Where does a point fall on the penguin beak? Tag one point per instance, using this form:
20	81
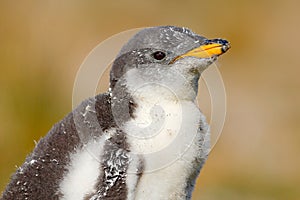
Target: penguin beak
210	48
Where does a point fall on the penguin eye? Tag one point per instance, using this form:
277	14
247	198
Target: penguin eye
159	55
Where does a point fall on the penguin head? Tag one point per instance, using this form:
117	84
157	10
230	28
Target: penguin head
166	48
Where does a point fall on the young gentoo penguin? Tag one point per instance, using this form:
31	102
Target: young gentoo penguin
143	139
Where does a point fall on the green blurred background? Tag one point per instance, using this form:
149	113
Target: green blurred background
43	43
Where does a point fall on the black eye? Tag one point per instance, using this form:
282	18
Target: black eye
159	55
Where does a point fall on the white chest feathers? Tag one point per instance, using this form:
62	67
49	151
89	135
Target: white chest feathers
166	134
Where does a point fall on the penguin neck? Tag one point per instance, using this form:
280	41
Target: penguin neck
160	84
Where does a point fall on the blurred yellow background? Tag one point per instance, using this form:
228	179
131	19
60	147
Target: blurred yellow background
43	43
